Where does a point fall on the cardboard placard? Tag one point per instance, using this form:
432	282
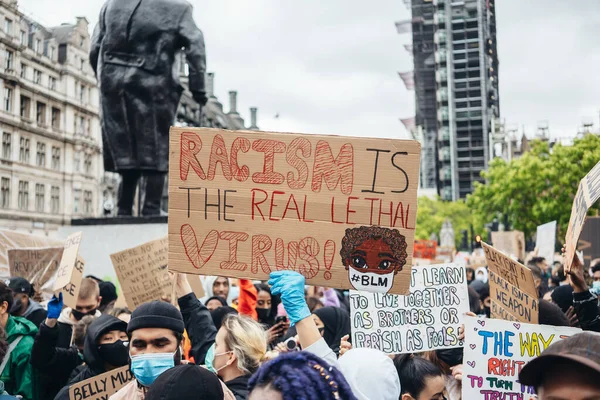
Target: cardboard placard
102	386
512	243
512	290
196	284
495	352
545	241
243	204
426	319
17	240
587	195
425	249
142	272
70	271
38	266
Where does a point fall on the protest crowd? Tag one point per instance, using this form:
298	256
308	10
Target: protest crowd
280	339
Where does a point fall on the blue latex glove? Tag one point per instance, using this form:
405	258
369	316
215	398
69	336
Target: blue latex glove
55	306
290	285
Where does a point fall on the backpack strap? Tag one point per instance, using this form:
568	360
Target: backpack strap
11	347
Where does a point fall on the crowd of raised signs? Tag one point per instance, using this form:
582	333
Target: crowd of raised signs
282	339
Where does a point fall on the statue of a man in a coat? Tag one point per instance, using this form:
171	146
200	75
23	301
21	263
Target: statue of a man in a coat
133	54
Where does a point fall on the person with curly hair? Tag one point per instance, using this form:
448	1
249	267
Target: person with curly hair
372	256
299	375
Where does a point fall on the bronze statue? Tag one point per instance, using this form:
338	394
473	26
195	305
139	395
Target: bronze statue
133	54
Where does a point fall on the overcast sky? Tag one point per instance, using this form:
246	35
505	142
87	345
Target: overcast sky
331	66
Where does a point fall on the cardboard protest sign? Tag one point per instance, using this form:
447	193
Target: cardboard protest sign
545	241
196	284
587	194
102	386
70	271
426	319
495	352
16	240
512	290
142	272
425	249
512	243
339	210
36	265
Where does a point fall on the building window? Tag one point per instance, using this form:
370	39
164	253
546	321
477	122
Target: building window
76	161
23	38
40	197
23	195
37	76
9	60
23	71
56	158
81	126
55	199
55	118
88	127
5	193
25	107
81	41
76	200
8	99
6	145
87	163
41	114
8	26
51	52
24	150
52	83
37	47
40	155
87	202
82	64
82	93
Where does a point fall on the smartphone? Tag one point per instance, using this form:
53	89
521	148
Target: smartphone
281	318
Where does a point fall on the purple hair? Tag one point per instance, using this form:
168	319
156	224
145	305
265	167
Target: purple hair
302	375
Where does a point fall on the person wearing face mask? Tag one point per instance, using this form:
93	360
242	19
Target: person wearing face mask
266	310
155	335
420	378
16	371
24	305
105	348
239	347
88	302
56	364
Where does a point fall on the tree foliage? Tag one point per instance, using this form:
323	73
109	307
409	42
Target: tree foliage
537	188
432	213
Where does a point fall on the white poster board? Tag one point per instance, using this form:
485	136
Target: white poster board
495	352
426	319
545	241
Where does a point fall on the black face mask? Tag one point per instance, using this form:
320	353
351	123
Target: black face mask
487	311
16	308
115	354
452	357
78	315
263	314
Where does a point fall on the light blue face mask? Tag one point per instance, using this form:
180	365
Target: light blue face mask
210	359
595	288
147	367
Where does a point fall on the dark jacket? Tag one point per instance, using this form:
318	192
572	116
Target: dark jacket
18	376
133	52
35	313
53	362
94	364
586	308
239	387
199	326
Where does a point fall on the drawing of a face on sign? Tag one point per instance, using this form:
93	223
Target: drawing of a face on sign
372	256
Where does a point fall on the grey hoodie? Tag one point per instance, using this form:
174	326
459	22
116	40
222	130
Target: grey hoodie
33	306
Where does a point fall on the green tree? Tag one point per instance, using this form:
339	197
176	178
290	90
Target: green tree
537	188
432	213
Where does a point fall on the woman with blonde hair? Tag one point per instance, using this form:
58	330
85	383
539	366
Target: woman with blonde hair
239	347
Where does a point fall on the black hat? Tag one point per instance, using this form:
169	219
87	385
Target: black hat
156	314
582	349
20	285
108	292
186	382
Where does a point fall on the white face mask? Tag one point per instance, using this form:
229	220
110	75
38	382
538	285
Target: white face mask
370	281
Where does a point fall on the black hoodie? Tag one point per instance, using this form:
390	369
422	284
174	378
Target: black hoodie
94	364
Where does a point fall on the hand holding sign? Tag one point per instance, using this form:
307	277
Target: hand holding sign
70	270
